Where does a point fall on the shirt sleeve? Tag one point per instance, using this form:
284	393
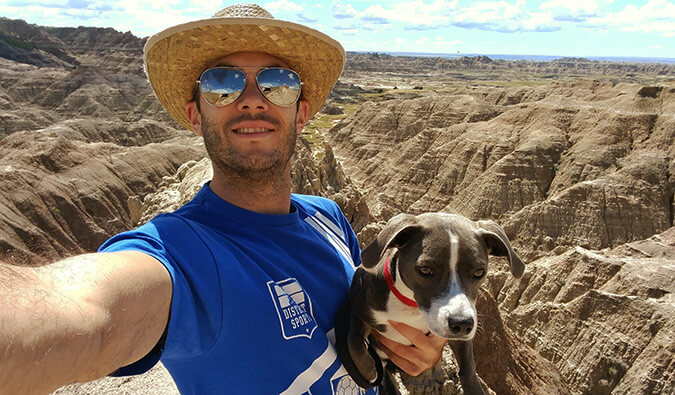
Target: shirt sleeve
196	303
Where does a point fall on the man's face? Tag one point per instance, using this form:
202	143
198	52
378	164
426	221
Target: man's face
250	137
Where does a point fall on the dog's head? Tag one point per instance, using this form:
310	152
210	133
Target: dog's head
442	259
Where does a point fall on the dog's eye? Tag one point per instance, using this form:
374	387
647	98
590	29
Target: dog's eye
479	273
424	270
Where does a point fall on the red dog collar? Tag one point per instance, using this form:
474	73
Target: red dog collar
390	282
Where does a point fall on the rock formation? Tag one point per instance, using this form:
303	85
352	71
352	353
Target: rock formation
82	132
604	318
559	165
65	188
466	67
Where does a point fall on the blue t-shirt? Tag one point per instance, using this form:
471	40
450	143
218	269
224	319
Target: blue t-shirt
254	295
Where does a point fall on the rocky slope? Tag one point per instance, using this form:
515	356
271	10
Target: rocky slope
70	47
65	188
77	142
604	318
564	164
82	132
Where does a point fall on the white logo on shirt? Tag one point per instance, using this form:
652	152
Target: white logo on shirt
294	308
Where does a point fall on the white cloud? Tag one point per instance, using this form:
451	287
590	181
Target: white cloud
586	7
443	41
415	12
30	3
343	11
503	16
282	5
654	17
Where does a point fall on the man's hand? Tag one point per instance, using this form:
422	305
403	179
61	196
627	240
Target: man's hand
413	359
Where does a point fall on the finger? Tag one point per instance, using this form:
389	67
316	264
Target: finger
426	342
429	345
401	350
413	335
402	362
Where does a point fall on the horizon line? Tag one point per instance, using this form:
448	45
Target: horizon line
513	56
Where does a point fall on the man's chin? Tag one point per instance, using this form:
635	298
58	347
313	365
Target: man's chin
254	166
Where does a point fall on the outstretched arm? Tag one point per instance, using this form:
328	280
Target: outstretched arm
79	319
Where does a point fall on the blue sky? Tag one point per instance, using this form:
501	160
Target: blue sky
595	28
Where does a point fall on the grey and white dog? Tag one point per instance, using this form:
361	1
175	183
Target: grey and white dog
424	271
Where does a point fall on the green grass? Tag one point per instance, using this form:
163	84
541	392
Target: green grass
514	83
316	129
27	45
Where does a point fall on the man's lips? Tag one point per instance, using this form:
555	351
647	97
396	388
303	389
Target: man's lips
253	127
247	124
252	130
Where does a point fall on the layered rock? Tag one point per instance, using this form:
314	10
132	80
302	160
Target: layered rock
464	66
604	318
65	188
82	133
561	165
32	98
64	47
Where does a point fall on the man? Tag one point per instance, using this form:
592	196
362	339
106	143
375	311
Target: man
237	290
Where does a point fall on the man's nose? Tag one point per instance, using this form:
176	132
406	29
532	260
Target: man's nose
251	98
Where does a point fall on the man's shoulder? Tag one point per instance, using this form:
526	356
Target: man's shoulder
323	210
181	216
315	202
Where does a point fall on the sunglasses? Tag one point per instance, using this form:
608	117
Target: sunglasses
222	85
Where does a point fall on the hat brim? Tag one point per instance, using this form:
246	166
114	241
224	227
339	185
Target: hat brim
175	57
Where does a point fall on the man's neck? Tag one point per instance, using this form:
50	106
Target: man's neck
265	195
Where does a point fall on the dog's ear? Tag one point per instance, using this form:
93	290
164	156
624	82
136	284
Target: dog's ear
498	244
397	232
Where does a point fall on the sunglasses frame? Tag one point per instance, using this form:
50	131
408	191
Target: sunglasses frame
257	84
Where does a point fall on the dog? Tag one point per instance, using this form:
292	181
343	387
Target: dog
424	271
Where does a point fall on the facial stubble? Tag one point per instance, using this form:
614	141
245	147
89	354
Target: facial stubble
253	166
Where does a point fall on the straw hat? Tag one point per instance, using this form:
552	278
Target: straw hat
175	57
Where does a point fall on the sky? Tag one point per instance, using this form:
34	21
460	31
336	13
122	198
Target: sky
579	28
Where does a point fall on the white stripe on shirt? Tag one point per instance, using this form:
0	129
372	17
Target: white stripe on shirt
338	243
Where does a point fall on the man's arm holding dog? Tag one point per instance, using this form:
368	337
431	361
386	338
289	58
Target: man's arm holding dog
423	353
79	319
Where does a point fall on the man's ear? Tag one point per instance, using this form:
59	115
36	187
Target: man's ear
194	117
301	116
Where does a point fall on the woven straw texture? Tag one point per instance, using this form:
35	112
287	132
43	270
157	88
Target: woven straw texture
175	57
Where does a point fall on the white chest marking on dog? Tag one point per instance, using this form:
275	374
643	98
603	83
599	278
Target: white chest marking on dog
397	311
402	288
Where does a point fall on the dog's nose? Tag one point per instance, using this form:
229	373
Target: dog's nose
460	326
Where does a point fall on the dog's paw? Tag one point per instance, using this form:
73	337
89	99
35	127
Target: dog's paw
363	361
368	369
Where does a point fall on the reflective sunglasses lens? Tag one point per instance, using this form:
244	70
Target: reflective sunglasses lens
222	86
280	86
